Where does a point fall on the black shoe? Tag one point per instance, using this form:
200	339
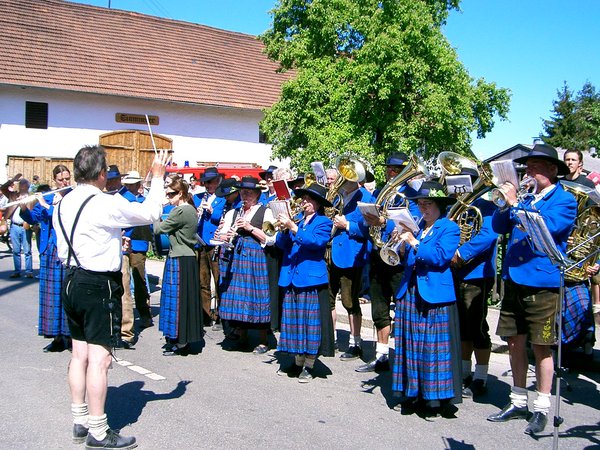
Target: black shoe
57	345
291	371
306	375
126	345
113	440
15	275
145	323
375	365
79	433
353	352
178	351
537	423
509	412
476	389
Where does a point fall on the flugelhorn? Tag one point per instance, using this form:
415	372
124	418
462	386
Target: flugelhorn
388	194
348	169
527	186
390	252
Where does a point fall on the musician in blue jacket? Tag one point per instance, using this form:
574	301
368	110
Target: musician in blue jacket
210	208
52	318
385	279
532	283
426	360
474	265
349	251
306	326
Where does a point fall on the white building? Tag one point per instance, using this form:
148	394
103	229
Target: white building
70	73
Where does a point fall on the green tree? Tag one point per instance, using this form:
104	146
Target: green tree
371	77
575	120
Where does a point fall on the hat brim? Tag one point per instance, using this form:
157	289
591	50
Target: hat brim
562	167
220	193
312	194
212	176
132	180
444	200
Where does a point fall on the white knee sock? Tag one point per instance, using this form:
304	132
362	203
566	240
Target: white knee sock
382	350
98	426
518	396
541	403
80	414
354	341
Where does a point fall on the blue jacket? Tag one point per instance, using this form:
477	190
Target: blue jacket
430	264
43	216
349	248
303	253
208	222
521	264
481	251
137	245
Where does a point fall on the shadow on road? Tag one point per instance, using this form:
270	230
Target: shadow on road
125	403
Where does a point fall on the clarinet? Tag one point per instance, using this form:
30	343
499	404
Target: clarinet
217	251
232	241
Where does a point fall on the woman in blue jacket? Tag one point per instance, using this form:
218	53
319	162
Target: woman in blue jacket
52	318
306	325
427	358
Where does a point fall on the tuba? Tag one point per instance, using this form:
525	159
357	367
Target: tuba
389	192
348	170
463	213
585	237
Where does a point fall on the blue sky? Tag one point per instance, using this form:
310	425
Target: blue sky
528	46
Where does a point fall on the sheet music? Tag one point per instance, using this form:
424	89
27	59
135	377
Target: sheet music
459	184
403	219
368	208
282	191
504	170
280	207
540	236
319	171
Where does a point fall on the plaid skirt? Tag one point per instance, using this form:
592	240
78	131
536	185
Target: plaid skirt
577	318
427	356
180	311
244	284
52	319
301	321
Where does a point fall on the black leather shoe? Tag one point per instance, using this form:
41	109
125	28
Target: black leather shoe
537	423
178	351
79	433
353	352
509	412
126	345
113	440
57	345
375	365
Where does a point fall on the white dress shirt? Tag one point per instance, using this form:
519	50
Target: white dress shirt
97	240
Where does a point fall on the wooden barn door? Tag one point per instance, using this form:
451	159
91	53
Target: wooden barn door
132	149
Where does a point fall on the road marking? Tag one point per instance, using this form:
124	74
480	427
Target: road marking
140	370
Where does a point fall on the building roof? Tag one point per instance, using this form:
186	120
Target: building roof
69	46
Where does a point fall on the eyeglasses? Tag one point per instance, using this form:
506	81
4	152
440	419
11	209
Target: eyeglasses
171	194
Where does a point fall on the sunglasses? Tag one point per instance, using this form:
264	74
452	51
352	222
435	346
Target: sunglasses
171	194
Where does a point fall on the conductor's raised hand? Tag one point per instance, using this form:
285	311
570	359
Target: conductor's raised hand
159	165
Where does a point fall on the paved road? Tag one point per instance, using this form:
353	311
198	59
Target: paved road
220	399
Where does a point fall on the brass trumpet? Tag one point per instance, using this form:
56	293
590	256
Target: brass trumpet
527	187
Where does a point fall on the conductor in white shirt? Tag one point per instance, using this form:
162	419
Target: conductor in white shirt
90	246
